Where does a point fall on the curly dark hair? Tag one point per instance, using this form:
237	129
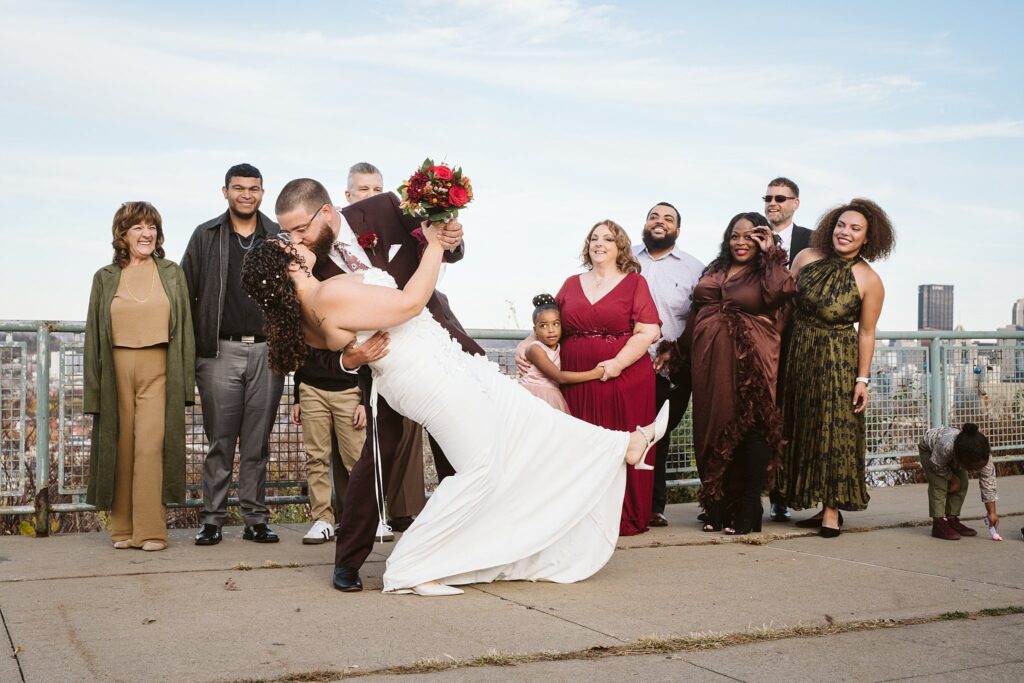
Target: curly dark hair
724	258
541	303
265	279
625	262
881	236
134	213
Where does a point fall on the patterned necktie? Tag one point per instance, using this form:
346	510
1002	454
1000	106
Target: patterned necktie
351	260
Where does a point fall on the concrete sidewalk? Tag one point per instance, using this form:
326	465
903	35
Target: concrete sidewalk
76	610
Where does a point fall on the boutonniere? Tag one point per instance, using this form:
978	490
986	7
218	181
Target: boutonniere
368	240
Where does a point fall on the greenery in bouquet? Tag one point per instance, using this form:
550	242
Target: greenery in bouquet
435	192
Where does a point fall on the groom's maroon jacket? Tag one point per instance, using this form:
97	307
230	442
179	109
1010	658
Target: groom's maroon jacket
380	214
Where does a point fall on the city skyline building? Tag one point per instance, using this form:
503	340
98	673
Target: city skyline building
1017	313
935	307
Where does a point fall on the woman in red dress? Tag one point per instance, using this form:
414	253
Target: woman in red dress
609	317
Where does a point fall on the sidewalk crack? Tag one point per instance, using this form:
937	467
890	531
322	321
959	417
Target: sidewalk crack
951	671
549	614
14	649
894	569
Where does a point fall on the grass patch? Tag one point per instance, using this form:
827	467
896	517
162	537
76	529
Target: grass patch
1001	611
695	642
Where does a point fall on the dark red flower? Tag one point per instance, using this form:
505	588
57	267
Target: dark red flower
368	240
458	196
441	172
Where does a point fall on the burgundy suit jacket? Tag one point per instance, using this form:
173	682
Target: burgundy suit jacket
381	214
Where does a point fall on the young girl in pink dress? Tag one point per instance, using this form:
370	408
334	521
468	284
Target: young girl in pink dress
538	356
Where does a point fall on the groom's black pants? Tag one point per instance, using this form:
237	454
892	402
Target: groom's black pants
359	508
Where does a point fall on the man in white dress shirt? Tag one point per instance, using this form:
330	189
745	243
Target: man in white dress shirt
671	274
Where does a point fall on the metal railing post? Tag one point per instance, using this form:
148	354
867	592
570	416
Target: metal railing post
43	430
936	380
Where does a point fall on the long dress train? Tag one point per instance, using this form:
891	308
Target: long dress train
537	494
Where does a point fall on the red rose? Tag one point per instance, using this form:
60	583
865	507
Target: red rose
368	240
458	196
441	172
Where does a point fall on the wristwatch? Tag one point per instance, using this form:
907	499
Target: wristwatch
865	380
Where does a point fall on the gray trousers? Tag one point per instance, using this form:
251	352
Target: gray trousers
240	396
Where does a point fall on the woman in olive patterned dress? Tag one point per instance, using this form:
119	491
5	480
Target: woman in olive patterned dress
828	363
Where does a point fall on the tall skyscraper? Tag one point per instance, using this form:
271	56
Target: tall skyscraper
1017	319
935	307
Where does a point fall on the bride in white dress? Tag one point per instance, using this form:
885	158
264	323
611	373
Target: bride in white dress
537	494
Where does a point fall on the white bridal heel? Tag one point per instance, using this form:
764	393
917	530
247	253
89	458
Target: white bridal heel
660	427
433	589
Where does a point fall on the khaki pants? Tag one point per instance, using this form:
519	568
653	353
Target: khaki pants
138	512
942	503
325	413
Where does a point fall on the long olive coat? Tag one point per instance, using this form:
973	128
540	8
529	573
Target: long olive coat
101	385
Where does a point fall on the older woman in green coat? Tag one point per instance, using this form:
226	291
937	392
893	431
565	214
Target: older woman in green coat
139	371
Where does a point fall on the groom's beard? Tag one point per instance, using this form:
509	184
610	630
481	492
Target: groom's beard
323	244
658	243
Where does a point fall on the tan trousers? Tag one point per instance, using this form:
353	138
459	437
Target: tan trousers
138	512
325	413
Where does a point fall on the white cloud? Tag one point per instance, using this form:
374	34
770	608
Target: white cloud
965	132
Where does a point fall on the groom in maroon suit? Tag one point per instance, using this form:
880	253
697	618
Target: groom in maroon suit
305	211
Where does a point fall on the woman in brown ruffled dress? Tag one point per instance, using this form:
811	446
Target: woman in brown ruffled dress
733	333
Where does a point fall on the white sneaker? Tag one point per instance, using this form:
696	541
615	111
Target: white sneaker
384	533
320	532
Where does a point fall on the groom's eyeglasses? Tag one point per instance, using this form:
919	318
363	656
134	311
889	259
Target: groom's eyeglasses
303	227
779	198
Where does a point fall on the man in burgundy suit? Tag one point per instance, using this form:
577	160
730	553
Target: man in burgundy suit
305	211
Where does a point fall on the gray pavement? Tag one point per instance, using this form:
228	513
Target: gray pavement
77	610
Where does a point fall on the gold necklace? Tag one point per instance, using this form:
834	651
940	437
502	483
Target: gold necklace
152	282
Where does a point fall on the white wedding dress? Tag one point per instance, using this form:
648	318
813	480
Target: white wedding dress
538	494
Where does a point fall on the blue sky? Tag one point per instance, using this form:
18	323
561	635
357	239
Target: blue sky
563	113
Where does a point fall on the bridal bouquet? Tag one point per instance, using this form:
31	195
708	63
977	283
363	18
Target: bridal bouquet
435	192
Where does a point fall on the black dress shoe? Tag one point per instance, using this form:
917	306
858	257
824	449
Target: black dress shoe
779	513
261	533
400	524
828	532
209	535
346	579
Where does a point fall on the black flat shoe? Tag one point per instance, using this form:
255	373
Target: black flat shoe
346	579
261	533
779	513
829	532
815	521
209	535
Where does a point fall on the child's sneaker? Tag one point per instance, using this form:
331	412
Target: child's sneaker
942	529
960	528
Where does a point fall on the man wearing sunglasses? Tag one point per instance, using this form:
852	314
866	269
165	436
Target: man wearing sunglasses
238	391
780	203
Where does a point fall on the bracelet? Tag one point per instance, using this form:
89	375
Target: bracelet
865	380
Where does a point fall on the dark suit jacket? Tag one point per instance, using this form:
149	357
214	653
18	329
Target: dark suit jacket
800	241
380	214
